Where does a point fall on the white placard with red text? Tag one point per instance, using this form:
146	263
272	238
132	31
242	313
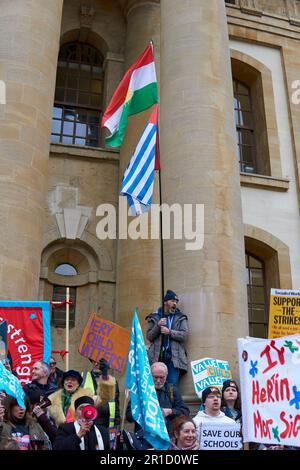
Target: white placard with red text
270	389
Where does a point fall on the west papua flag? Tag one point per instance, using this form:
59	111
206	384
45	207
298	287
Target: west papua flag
138	179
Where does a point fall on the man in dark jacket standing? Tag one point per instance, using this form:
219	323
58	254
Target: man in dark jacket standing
167	332
169	397
83	434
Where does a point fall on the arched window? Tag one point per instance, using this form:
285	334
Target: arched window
78	96
257	304
244	127
66	269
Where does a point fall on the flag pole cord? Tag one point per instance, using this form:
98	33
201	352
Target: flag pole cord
161	244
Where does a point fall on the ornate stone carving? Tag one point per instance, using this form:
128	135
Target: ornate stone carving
87	14
286	8
71	218
293	11
251	7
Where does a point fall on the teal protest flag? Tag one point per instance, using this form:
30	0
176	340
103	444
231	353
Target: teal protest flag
144	403
3	340
10	385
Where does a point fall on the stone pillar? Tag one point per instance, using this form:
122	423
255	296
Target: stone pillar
199	166
138	261
29	41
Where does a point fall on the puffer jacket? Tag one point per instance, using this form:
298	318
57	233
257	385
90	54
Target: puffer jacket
178	336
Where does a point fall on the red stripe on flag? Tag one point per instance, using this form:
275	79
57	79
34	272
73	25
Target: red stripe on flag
121	91
154	120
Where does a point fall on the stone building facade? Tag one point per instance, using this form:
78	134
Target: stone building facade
60	63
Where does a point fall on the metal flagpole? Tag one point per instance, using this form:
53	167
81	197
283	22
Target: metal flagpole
67	325
161	243
157	162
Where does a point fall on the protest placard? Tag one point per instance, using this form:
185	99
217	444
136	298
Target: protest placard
103	338
208	372
270	389
220	436
284	314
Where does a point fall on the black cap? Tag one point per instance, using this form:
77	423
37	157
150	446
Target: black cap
170	295
229	383
72	373
85	400
208	391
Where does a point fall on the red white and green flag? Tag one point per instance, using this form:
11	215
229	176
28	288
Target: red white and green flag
136	92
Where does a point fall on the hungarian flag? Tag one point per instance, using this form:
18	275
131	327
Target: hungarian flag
138	179
136	92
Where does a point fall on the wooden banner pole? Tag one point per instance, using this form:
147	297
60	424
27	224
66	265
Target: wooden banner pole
67	325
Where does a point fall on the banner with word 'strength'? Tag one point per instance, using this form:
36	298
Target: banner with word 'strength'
28	334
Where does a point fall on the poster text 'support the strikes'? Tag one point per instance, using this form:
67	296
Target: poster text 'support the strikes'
270	387
284	316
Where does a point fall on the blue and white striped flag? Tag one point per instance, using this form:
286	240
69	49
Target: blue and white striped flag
138	179
145	407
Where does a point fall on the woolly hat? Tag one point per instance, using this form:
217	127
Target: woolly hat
208	391
229	383
72	373
170	295
85	400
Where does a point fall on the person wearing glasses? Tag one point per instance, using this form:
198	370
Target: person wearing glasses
56	374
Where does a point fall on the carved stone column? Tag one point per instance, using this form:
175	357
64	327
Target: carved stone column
29	38
199	165
138	261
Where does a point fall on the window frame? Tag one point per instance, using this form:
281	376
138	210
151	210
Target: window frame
86	116
251	304
242	129
60	310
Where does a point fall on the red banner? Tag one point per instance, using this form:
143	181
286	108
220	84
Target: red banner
28	335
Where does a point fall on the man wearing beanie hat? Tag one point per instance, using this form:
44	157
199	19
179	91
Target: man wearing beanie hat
82	434
231	401
211	399
167	332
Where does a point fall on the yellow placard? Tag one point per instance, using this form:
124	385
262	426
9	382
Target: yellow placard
284	313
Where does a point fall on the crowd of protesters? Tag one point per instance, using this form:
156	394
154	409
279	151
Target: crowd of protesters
75	410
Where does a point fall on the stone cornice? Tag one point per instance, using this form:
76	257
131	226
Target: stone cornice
267	23
57	150
284	8
264	182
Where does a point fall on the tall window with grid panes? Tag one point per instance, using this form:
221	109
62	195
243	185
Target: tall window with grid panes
78	96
